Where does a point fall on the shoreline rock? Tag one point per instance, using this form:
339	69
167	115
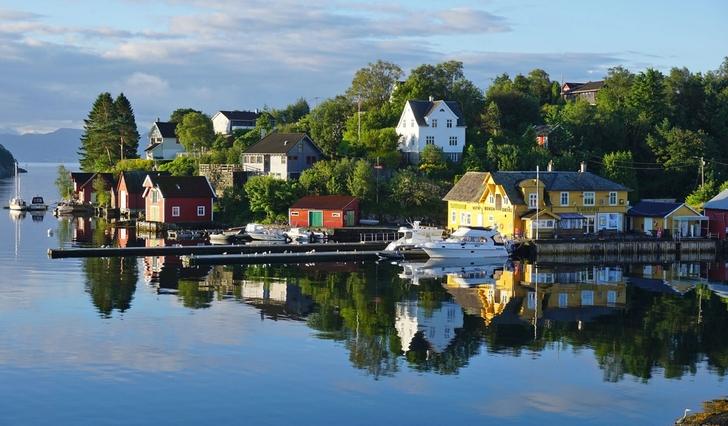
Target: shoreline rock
7	162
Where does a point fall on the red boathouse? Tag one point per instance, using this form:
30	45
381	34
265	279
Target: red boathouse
717	211
324	211
129	189
178	199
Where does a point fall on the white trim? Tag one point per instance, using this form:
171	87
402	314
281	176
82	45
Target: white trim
178	211
203	211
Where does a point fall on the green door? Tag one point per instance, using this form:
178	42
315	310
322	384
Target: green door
316	218
350	218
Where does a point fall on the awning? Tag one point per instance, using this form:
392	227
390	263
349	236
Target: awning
571	216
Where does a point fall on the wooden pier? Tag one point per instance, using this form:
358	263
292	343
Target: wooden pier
624	247
259	258
213	250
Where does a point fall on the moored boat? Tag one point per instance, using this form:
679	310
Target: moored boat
469	242
411	238
259	232
17	203
37	204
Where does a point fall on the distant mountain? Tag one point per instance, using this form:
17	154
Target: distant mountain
59	146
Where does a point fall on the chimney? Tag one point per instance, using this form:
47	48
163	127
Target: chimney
157	119
256	110
431	98
550	166
582	167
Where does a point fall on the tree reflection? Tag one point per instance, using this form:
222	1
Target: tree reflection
111	282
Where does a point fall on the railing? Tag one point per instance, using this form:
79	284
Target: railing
377	236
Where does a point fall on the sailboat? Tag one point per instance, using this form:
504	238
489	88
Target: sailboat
17	203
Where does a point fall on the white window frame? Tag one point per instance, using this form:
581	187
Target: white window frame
429	140
612	198
453	216
434	122
453	141
564	198
533	200
175	211
200	209
448	123
491	199
294	213
588	195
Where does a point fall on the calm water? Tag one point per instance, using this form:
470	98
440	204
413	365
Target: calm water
144	341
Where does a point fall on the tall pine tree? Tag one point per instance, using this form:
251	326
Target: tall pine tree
110	133
126	127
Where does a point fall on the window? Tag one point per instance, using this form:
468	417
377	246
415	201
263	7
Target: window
294	213
588	198
491	199
429	140
310	159
467	219
462	218
612	198
532	198
283	159
300	147
564	198
155	196
505	200
335	214
563	300
448	123
611	297
412	123
453	216
200	210
175	211
453	141
587	298
434	122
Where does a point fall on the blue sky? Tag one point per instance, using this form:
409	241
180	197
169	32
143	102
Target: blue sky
56	56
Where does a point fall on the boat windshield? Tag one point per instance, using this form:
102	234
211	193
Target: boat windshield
37	200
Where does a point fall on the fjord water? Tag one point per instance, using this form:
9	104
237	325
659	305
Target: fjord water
146	341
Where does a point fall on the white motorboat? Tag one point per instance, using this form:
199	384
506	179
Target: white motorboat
469	242
412	239
259	232
464	272
303	235
17	203
37	204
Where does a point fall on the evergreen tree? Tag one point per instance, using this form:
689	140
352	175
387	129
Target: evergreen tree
127	128
99	142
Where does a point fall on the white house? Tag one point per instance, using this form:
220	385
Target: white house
163	142
281	155
431	122
437	327
225	122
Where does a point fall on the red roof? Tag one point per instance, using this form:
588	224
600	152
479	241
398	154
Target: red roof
326	202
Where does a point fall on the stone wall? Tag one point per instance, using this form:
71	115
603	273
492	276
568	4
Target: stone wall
223	176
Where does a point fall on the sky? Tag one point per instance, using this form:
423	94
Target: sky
56	56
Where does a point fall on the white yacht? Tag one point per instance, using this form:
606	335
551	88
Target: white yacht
302	235
469	242
37	204
412	239
17	203
259	232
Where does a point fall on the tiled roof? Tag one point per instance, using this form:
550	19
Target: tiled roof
555	181
652	209
166	128
328	202
422	109
278	143
719	202
469	188
183	186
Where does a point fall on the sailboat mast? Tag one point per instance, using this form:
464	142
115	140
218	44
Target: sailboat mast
17	180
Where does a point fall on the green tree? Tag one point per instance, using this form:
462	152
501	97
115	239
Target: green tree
179	113
373	85
413	196
361	183
100	141
271	196
432	161
647	98
675	147
619	167
328	123
180	166
103	196
292	113
473	159
63	183
133	164
126	127
702	194
195	132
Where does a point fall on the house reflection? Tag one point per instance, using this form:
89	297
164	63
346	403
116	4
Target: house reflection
435	327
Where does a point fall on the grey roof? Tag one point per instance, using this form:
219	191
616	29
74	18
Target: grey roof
555	181
278	143
719	202
588	87
134	179
422	109
652	209
240	115
469	188
183	186
166	128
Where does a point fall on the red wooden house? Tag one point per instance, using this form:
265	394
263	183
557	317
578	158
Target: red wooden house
129	189
83	187
178	199
717	211
324	211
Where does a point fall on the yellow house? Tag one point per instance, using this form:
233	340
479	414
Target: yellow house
558	203
665	218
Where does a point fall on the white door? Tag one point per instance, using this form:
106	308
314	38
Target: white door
122	199
648	225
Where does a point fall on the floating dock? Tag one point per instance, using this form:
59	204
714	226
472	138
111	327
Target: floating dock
230	259
285	249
